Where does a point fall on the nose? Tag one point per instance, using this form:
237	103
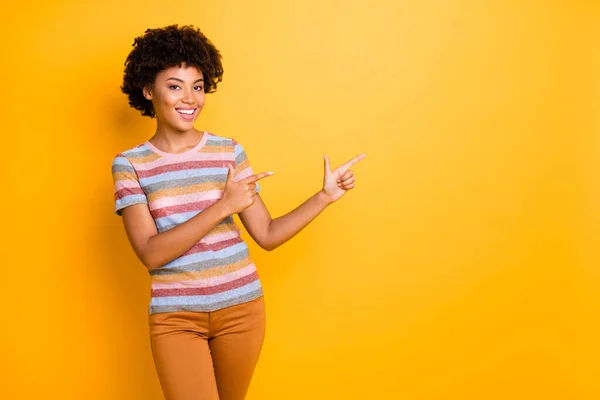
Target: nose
188	97
188	100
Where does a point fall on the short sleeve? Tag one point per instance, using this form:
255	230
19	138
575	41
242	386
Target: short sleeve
127	187
242	164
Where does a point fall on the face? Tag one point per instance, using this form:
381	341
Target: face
178	97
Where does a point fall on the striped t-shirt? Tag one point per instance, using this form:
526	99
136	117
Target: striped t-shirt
217	271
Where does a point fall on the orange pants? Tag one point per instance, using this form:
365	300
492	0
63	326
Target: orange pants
208	355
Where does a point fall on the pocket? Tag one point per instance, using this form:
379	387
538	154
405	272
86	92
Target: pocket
161	323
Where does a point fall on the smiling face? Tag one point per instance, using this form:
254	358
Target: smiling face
177	97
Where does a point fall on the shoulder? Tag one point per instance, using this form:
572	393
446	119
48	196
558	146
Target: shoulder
223	141
217	140
128	156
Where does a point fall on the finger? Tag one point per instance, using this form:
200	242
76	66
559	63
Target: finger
230	173
256	177
327	169
348	187
350	163
252	187
346	175
347	181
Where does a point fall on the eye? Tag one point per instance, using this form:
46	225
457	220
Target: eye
200	88
173	87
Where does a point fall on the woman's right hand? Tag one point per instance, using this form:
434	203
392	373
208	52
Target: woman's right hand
241	194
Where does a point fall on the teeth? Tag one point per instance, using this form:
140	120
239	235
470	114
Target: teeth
188	112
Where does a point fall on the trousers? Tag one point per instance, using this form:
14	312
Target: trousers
208	355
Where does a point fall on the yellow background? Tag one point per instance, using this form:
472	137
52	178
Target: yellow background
464	265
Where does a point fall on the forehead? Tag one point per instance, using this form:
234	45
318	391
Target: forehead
183	72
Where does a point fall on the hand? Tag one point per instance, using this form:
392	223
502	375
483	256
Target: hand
241	194
340	180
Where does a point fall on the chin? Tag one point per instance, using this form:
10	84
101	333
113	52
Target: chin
186	127
183	126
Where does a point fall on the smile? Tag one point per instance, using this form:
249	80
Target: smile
186	113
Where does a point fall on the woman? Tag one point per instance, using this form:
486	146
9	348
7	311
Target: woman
177	193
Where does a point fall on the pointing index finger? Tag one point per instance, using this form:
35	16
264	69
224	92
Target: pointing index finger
350	163
256	177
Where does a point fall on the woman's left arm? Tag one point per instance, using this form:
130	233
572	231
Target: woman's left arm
271	233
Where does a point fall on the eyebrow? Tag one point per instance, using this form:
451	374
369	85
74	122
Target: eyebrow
179	80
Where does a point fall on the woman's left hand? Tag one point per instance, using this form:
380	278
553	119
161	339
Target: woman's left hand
340	180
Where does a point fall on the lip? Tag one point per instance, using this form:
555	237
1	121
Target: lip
186	117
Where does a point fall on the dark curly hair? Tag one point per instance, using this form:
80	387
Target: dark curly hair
162	48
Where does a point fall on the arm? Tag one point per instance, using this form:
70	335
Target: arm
156	249
271	233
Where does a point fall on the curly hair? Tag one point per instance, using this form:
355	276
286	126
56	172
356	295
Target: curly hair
162	48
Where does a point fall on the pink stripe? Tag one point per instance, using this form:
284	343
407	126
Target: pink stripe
126	183
181	166
119	194
203	291
182	208
219	237
196	283
202	247
199	157
185	199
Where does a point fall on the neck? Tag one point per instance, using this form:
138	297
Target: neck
170	140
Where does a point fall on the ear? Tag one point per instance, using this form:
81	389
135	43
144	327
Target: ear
147	93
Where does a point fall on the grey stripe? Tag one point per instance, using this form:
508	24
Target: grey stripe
202	265
218	142
208	307
122	168
141	152
177	183
119	206
240	157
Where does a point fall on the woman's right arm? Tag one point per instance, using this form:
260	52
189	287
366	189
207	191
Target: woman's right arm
156	249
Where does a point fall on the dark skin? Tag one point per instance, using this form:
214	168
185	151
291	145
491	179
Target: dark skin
180	88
